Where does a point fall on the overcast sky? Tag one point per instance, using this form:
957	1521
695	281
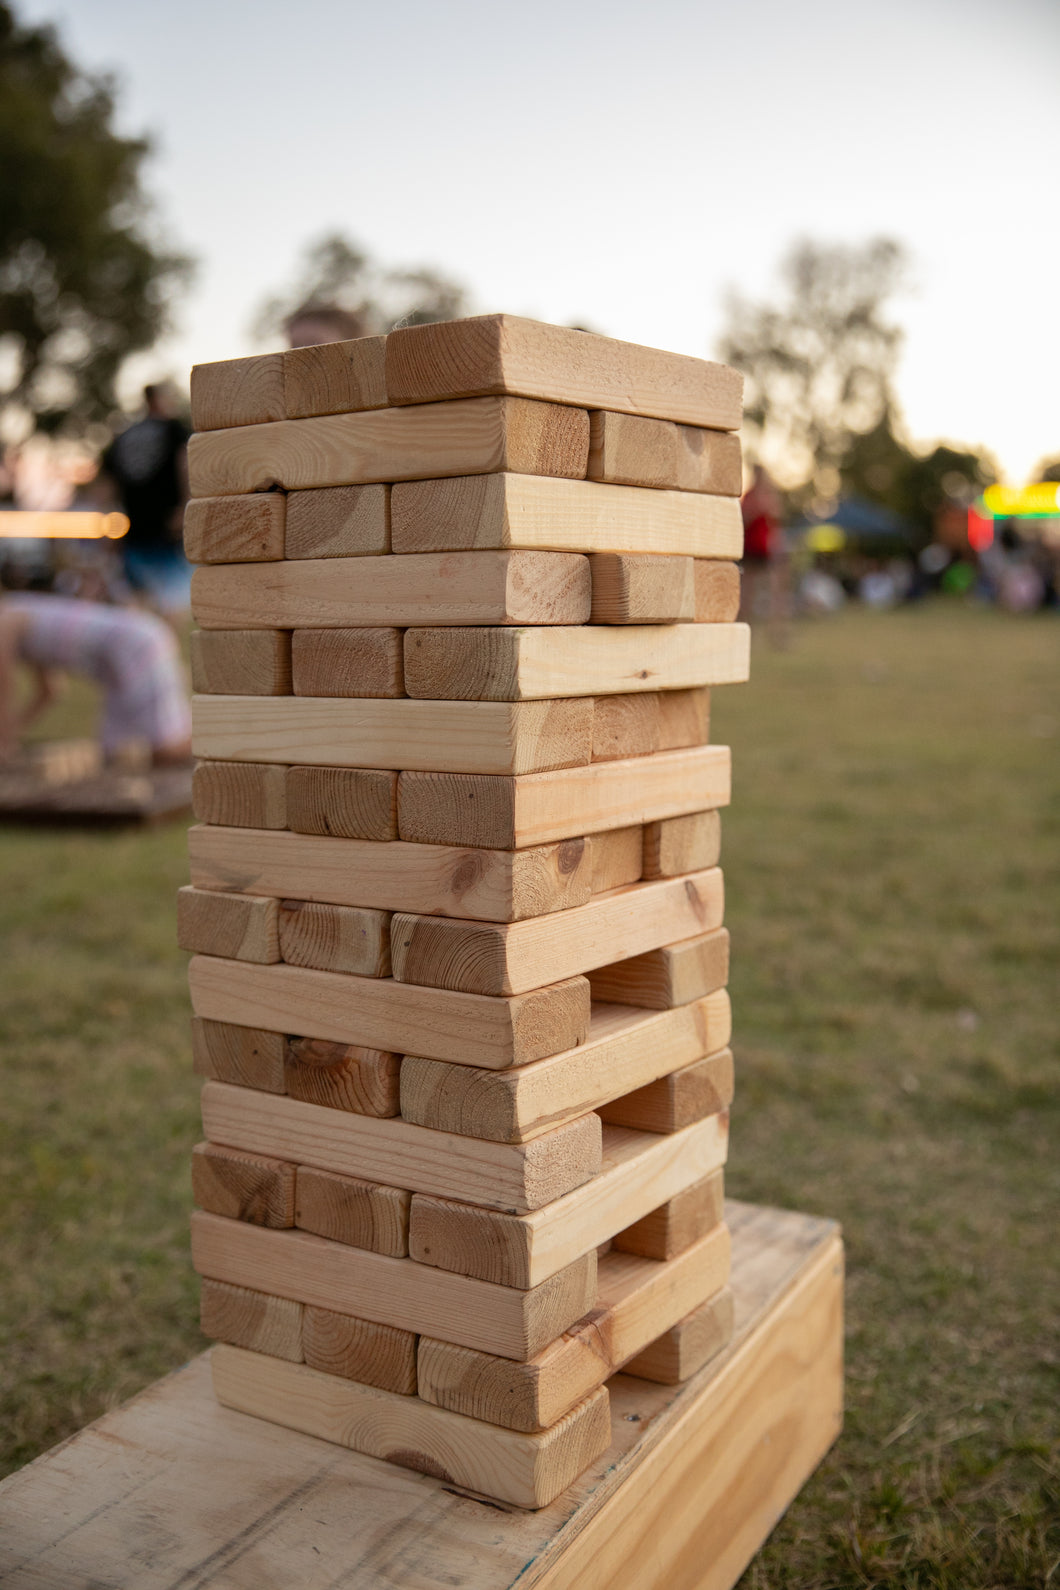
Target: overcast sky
619	165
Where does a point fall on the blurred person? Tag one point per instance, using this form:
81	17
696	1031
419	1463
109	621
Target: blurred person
316	323
763	552
132	655
147	465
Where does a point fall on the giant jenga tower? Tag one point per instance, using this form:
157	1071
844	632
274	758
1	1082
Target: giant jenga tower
459	974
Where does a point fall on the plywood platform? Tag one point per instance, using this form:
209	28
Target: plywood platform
107	797
174	1491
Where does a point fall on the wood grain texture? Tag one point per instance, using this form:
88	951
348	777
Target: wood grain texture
624	1050
255	1320
629	450
513	958
617	858
682	844
235	529
626	725
519	1176
686	1347
345	377
243	1186
358	1349
499	1319
362	1214
495	737
717	591
335	938
242	794
684	718
677	1100
342	1076
677	1223
443	880
344	802
638	588
508	353
514	813
670	975
245	1056
237	392
241	662
347	662
240	926
640	1171
478	436
338	522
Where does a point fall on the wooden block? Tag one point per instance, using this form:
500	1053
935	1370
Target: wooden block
244	1056
684	718
508	353
676	1224
382	1014
639	588
360	1213
513	958
479	436
624	1050
682	844
493	885
235	529
717	591
252	1319
628	450
342	1076
358	1349
640	1172
347	802
675	1101
686	1347
671	975
635	1297
499	1319
335	378
243	1186
514	813
625	726
335	938
468	736
538	513
338	522
540	588
520	1176
241	662
617	857
237	925
237	392
347	662
242	794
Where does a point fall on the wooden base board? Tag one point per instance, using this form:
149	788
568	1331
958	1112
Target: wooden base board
109	797
172	1488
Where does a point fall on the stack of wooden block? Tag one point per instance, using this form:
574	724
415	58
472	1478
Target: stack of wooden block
459	982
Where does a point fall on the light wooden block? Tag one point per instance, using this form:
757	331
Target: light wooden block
617	858
255	1320
345	377
362	1214
241	926
670	975
625	725
624	1050
677	1100
632	588
686	1347
538	513
640	1171
244	1056
237	392
717	591
335	938
396	1153
241	794
235	529
509	353
676	1224
243	1186
479	436
628	450
684	718
342	1076
347	662
347	802
682	844
338	522
358	1349
513	813
241	662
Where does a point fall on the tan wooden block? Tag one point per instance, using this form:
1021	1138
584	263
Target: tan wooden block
676	1224
345	802
670	975
243	1186
639	588
335	377
682	844
235	529
640	1171
479	436
255	1320
629	450
496	737
342	1076
509	353
617	858
362	1214
537	513
244	1056
396	1153
625	725
685	1348
512	813
237	392
241	926
358	1349
347	662
240	794
676	1101
241	662
338	522
684	718
624	1050
513	958
335	938
506	1320
717	591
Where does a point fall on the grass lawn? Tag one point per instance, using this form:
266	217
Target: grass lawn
891	867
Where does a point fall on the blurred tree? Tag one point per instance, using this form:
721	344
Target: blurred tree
878	465
1048	469
82	282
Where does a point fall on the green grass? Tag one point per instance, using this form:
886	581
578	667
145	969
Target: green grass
891	866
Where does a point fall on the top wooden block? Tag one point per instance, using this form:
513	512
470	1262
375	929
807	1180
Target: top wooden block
237	392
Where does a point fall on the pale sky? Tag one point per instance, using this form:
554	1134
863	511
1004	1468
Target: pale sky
618	165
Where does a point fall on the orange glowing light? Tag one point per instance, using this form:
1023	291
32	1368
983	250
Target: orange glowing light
46	526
